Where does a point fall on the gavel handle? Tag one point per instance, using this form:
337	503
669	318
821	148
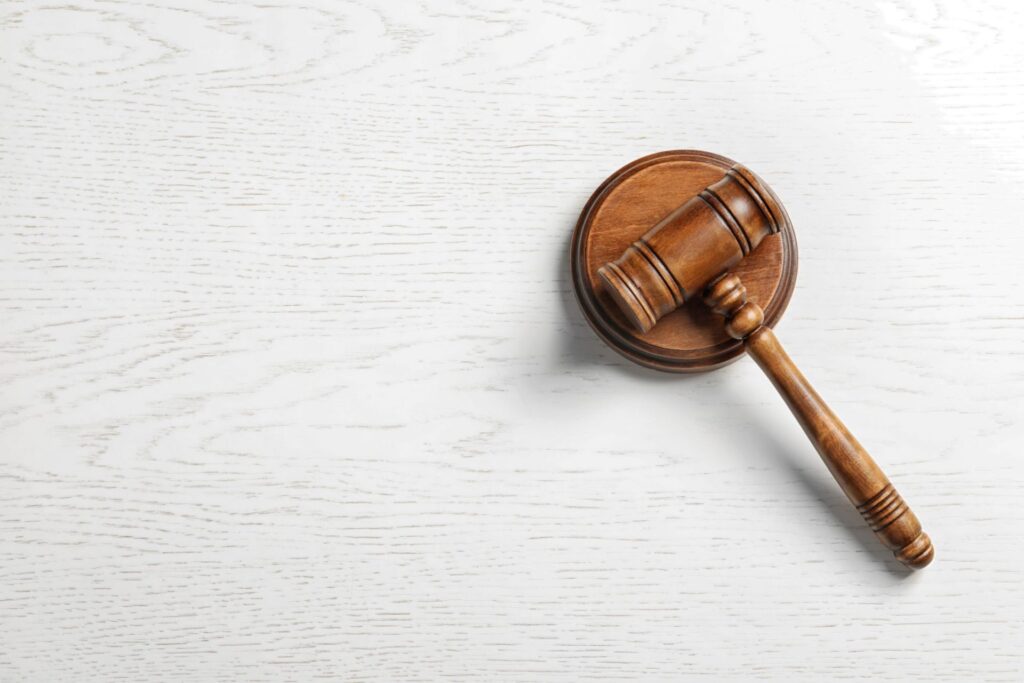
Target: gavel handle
861	479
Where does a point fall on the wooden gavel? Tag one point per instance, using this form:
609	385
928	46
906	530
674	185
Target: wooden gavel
689	253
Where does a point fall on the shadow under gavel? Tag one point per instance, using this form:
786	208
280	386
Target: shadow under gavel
690	253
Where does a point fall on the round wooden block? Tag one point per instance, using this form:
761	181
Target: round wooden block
625	206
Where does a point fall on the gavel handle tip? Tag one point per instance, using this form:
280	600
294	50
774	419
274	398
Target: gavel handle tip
917	554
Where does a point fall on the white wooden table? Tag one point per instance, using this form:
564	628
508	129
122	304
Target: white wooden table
218	461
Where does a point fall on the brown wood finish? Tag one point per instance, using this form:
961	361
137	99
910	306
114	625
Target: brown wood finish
699	245
690	338
861	479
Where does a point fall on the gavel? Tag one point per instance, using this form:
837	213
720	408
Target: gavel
690	253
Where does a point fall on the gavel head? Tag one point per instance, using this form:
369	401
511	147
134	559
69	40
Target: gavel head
692	246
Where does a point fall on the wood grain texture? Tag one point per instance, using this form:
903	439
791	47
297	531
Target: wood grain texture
855	471
293	384
642	197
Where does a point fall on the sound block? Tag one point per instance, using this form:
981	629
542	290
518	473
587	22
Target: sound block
625	206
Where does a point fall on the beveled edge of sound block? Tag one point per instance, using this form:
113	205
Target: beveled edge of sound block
630	342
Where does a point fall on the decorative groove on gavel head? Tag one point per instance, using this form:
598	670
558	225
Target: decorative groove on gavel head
692	246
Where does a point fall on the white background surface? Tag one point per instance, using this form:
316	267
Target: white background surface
294	385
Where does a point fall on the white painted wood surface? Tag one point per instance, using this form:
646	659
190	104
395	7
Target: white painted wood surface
294	386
